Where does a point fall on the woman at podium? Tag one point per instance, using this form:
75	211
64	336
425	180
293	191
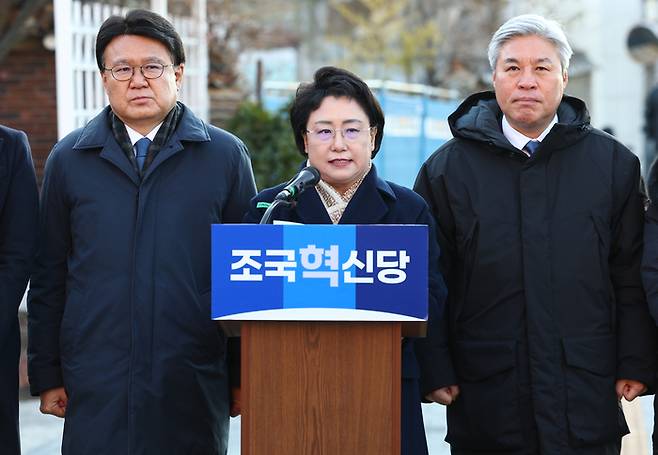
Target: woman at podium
338	127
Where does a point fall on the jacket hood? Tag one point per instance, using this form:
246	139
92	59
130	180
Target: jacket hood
479	118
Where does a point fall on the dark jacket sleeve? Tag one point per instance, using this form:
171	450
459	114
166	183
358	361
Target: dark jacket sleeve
18	224
651	114
47	295
650	259
431	187
432	351
652	181
243	187
636	333
255	213
434	357
252	215
242	191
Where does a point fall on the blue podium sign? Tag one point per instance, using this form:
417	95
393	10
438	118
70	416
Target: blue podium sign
319	272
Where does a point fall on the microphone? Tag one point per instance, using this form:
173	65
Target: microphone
306	178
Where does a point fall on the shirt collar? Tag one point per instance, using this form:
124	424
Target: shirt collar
519	140
135	136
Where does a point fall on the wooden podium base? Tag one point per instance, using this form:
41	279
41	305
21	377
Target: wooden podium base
323	388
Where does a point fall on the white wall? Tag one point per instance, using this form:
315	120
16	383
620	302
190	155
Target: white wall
618	82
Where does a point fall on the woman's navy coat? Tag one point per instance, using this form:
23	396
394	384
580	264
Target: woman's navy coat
18	227
119	307
380	202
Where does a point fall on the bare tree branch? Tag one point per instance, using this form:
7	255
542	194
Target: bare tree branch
5	5
17	30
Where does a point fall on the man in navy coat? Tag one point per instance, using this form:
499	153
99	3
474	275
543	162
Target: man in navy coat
18	226
121	341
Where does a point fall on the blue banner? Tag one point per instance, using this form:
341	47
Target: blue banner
319	272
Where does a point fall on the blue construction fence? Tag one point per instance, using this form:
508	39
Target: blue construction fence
416	123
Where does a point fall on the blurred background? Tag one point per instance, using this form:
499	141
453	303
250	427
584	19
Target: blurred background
245	59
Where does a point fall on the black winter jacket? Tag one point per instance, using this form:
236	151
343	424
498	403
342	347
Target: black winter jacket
541	256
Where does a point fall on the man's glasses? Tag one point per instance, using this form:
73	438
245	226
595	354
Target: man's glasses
125	72
350	133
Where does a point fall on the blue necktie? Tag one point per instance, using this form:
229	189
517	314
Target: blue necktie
531	147
142	148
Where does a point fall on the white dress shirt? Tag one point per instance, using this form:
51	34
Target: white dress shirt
519	140
135	136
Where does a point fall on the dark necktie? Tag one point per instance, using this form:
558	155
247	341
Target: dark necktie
531	147
142	148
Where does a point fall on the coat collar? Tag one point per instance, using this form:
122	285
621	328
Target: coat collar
97	134
368	205
479	117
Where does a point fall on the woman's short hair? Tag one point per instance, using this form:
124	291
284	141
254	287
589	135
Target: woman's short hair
143	23
528	25
336	82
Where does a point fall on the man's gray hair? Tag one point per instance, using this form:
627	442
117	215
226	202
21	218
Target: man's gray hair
529	25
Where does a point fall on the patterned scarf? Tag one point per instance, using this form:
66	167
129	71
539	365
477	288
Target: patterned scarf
167	128
334	202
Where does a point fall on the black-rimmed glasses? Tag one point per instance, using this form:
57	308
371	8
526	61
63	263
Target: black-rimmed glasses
149	71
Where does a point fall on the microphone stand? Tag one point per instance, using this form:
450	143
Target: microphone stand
269	213
287	197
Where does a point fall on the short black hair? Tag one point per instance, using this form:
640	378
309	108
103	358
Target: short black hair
335	82
143	23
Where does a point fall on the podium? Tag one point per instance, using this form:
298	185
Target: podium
321	310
